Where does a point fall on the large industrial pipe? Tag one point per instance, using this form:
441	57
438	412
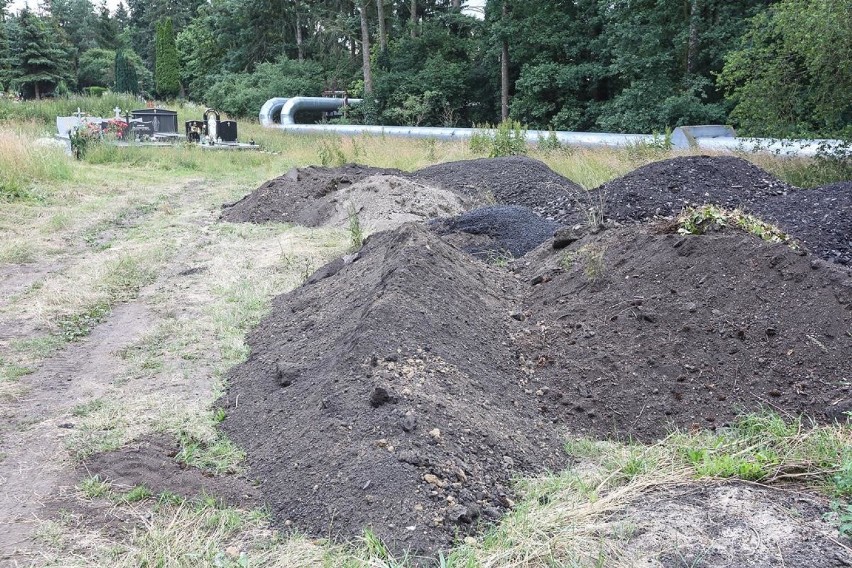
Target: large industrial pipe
323	104
533	136
712	137
270	112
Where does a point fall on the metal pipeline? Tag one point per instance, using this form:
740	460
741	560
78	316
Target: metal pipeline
324	104
270	112
710	137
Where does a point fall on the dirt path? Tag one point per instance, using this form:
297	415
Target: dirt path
190	288
36	468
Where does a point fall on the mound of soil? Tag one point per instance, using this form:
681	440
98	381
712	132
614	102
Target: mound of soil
497	230
635	332
384	202
515	180
820	218
386	395
292	197
665	188
402	387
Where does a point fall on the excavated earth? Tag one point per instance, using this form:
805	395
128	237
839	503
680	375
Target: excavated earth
405	385
821	218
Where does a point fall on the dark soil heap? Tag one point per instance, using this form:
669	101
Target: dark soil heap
402	389
665	188
644	331
820	218
293	197
387	395
516	180
501	230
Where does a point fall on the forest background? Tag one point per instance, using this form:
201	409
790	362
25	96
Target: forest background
767	67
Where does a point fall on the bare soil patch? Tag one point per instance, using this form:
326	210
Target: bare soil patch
819	218
499	231
636	332
515	180
151	462
734	524
384	202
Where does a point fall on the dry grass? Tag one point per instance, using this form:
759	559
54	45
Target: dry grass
23	165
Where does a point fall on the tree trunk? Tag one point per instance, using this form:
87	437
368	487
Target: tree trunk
383	33
37	92
413	18
299	43
365	49
692	48
456	3
504	69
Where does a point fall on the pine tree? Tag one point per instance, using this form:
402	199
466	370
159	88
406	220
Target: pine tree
166	65
106	28
41	62
5	54
126	80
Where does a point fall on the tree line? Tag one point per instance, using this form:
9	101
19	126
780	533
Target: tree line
769	67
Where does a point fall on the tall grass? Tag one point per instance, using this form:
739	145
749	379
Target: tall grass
23	164
46	111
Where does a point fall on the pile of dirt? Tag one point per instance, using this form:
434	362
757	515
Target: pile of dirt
665	188
384	202
496	231
292	197
387	395
820	218
515	180
401	388
635	332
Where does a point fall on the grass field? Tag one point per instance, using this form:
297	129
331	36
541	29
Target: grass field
118	278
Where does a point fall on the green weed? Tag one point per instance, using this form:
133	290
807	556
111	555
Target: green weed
356	231
330	152
138	493
709	218
509	138
94	487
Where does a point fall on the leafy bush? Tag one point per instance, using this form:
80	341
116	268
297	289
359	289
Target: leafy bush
242	94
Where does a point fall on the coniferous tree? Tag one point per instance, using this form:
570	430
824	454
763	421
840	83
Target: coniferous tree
106	28
41	62
126	80
167	67
5	53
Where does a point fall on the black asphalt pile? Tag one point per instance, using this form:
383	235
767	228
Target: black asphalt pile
820	218
295	196
496	231
515	180
663	189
